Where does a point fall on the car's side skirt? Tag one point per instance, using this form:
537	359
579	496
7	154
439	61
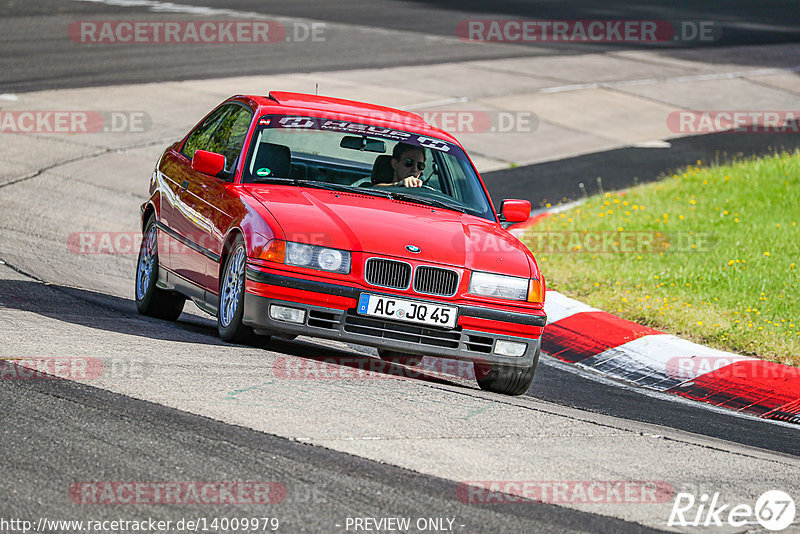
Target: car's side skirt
189	243
206	300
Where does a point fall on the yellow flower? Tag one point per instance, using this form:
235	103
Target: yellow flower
766	254
699	323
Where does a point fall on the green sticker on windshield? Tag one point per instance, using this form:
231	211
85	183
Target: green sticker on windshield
263	172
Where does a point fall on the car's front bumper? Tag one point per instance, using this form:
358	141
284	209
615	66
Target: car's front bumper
330	312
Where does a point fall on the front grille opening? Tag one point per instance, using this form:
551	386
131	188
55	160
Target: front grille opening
388	273
435	281
401	332
479	344
322	319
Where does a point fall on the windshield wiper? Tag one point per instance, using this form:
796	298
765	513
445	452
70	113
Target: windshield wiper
396	195
320	185
349	189
426	201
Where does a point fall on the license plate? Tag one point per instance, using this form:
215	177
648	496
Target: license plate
408	310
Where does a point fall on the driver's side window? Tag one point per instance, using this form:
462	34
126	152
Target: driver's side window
228	137
201	136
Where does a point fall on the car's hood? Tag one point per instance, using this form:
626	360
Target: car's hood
384	226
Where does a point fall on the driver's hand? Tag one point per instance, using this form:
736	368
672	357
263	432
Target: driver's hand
411	181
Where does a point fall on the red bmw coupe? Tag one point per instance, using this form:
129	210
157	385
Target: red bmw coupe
297	214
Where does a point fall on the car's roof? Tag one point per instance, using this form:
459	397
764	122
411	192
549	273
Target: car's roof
343	109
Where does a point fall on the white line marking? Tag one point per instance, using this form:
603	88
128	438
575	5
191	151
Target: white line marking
678	79
444	102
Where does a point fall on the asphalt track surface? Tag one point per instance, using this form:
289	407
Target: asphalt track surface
92	434
37	53
52	441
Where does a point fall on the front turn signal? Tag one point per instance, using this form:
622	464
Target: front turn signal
274	251
536	290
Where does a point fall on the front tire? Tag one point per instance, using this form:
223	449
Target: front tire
231	298
506	379
150	299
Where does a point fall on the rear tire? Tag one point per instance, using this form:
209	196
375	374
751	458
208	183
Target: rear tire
393	356
506	379
150	299
231	299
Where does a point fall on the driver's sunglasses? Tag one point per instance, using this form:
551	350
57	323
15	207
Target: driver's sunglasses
410	163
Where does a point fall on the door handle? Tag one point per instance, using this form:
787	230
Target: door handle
185	184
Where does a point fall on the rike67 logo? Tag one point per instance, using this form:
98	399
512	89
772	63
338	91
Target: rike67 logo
774	510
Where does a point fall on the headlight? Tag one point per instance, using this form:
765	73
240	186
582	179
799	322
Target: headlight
314	257
498	286
299	254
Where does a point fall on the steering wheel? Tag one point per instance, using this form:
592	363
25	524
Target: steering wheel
362	181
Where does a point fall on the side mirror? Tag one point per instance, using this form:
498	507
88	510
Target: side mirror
208	162
515	210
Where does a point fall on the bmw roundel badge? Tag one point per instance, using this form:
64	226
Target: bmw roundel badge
413	248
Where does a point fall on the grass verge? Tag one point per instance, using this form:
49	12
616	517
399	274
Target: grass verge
711	254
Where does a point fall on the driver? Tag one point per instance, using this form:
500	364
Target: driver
408	162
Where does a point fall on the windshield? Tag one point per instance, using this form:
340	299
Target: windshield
313	151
